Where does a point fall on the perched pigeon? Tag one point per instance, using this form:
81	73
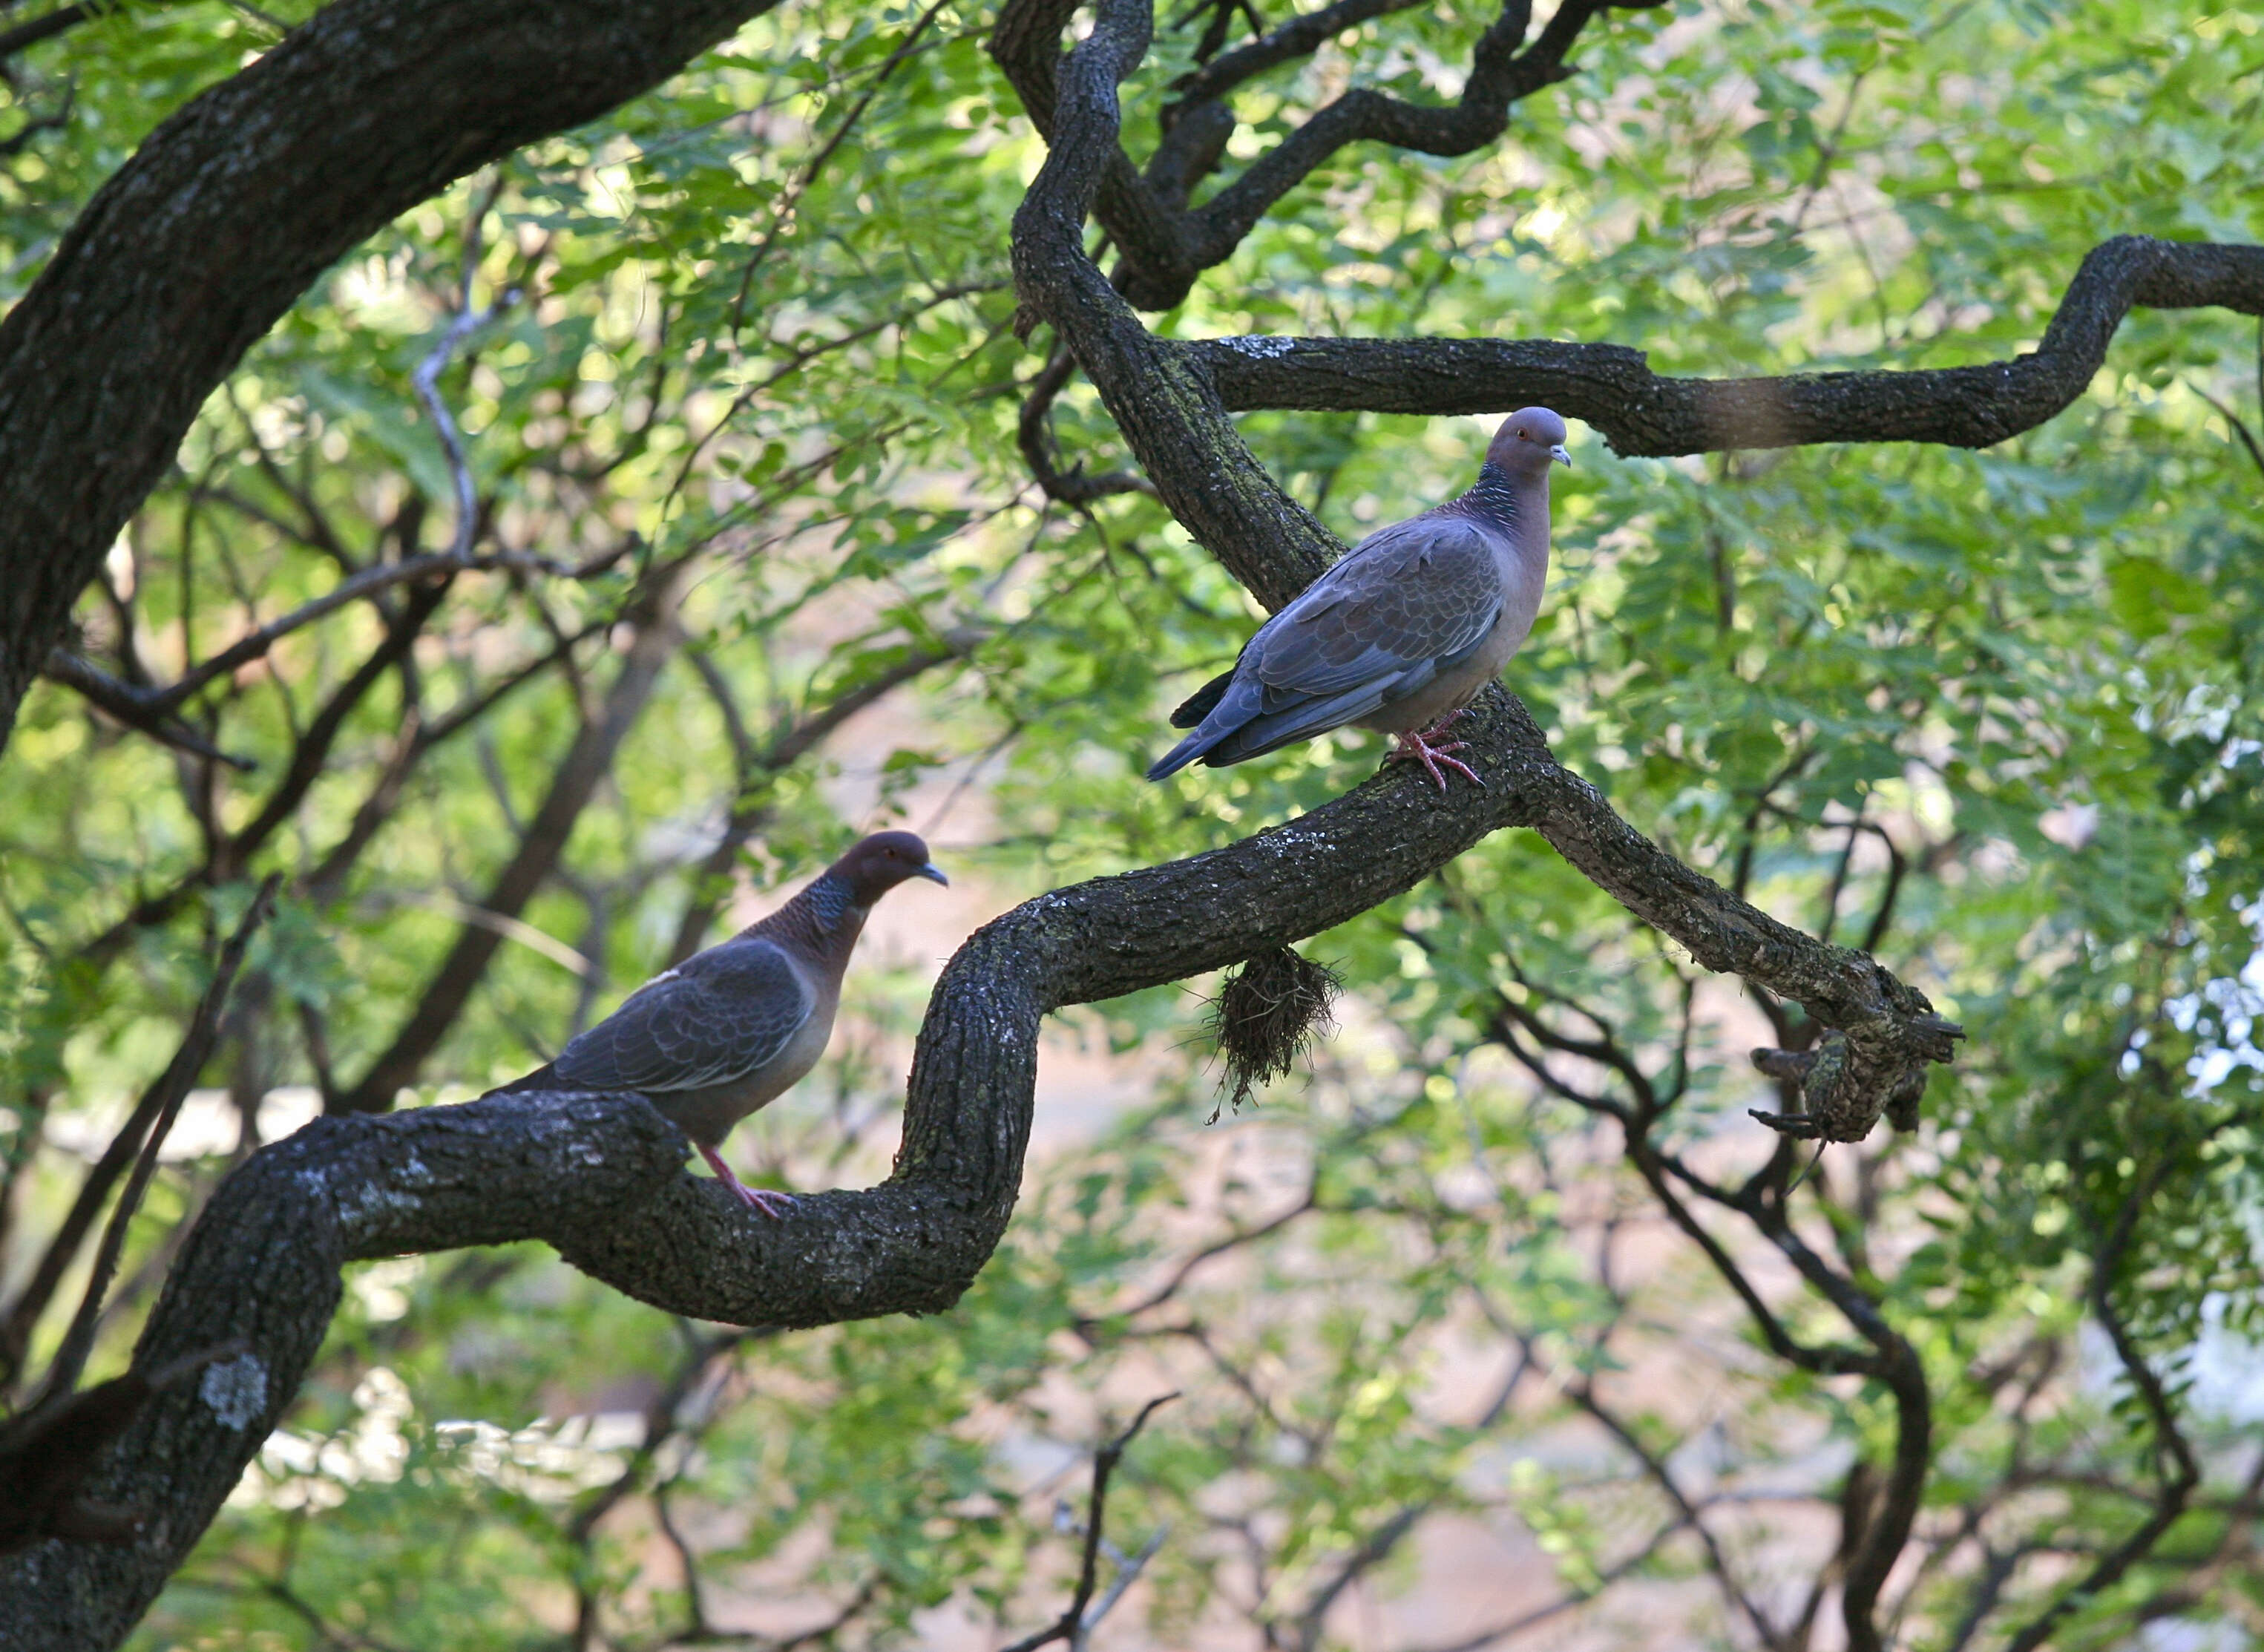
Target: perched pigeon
732	1029
1400	634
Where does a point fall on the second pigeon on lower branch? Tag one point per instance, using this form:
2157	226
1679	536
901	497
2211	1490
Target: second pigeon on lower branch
1402	633
731	1029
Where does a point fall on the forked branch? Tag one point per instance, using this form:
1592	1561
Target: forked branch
1165	243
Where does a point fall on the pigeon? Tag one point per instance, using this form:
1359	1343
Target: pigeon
1403	632
731	1029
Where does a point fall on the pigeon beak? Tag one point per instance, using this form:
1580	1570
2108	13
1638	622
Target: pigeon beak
933	873
1558	453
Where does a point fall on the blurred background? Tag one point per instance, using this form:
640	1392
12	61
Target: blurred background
754	563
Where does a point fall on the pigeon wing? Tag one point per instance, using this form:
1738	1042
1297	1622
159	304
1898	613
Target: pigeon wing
715	1018
1404	605
1413	599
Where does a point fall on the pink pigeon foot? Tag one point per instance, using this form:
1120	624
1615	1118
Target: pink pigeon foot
770	1204
1416	747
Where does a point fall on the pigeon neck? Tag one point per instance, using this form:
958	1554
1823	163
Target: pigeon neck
825	916
1496	499
1514	506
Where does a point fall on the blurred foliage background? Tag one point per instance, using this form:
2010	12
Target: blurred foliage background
754	564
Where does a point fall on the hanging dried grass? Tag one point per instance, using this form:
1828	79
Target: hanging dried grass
1267	1013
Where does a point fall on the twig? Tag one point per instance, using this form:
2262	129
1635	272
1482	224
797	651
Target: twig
136	707
21	137
1071	1626
1127	1573
2183	1473
426	378
25	35
156	701
1034	431
783	213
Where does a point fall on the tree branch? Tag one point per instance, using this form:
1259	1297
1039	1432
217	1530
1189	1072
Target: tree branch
1163	399
1612	387
1071	1625
599	1178
194	247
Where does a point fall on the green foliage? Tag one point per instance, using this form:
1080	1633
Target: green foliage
1999	716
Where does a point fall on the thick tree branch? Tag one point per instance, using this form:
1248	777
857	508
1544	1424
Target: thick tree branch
600	1178
1613	388
228	212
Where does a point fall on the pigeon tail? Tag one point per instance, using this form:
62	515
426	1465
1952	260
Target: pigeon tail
1188	751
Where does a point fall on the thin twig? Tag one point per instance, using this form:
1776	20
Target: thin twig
426	378
134	708
1070	1625
783	213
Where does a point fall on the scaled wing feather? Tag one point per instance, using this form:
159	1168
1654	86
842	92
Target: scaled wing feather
1413	596
714	1019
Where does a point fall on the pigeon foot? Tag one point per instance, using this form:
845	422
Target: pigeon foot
1416	746
771	1203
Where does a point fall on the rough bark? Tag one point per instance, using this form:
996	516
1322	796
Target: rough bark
229	211
599	1178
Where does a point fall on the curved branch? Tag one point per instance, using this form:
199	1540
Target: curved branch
1612	387
261	1270
599	1177
230	210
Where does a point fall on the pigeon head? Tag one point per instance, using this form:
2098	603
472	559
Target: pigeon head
1527	442
877	864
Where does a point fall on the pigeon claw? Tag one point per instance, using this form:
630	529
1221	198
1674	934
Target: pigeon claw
772	1205
1416	746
